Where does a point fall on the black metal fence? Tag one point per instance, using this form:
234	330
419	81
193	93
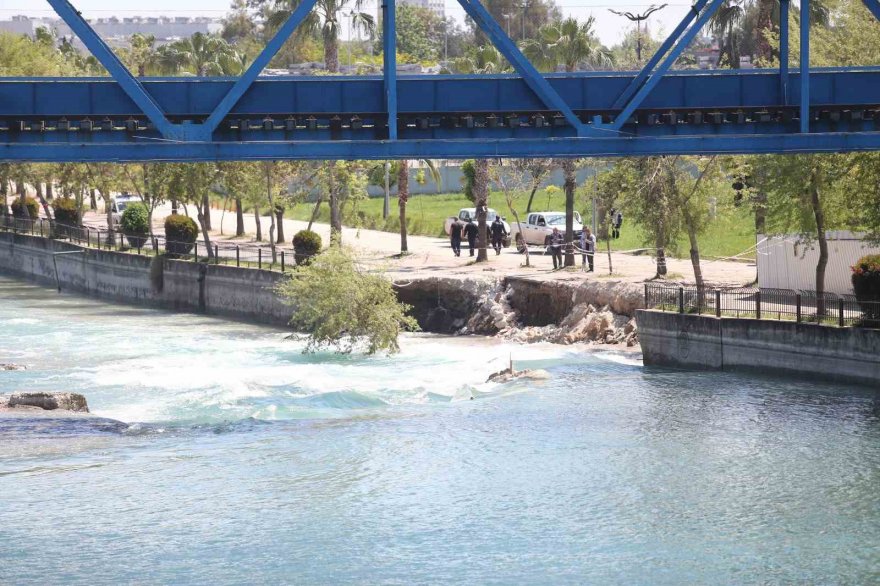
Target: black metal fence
756	303
221	253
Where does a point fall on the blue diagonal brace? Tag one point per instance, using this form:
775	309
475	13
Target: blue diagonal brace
247	79
655	78
129	83
636	83
873	6
530	75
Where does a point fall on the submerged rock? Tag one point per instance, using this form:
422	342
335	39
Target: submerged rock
509	374
45	401
12	367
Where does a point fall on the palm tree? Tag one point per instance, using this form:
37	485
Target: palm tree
403	195
567	43
324	20
485	60
143	53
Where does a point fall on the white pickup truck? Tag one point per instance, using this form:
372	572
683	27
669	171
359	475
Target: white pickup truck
465	214
537	227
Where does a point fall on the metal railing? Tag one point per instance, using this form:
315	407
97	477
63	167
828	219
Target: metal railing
224	253
773	304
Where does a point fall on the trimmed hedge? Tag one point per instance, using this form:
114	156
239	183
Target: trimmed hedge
180	234
33	208
66	213
306	244
135	224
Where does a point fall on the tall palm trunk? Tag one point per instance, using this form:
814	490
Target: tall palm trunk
481	197
331	54
402	198
568	171
239	217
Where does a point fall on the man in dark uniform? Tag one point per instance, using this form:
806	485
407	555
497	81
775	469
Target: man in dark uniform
498	234
470	231
455	236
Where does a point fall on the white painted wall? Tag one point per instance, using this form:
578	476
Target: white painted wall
784	262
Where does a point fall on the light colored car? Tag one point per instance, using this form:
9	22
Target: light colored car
465	214
537	227
118	205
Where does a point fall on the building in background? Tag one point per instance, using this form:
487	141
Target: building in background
116	31
438	6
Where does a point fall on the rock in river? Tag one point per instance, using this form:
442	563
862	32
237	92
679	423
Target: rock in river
45	401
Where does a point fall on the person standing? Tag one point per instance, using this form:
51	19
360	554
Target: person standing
556	241
455	237
588	249
498	234
470	231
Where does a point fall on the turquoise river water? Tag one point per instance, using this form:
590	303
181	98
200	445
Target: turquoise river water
243	461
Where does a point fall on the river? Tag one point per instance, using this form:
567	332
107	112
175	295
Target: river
244	461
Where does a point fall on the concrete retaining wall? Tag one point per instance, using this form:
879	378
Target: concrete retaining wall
232	292
849	355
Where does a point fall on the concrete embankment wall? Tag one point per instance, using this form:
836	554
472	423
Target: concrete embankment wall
849	355
232	292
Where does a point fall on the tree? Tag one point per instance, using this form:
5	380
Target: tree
324	19
569	169
521	20
142	54
362	310
152	182
193	181
804	197
105	177
510	185
537	169
419	32
567	43
485	59
403	195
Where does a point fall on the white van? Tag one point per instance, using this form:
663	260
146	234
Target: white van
118	205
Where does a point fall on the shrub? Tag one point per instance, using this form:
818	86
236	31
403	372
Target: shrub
135	224
180	234
370	317
66	212
866	285
33	208
306	244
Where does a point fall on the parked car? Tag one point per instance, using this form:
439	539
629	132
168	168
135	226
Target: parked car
537	227
118	205
465	214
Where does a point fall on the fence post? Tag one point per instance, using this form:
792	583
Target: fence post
216	256
717	303
259	258
282	261
758	304
797	299
237	256
681	300
840	311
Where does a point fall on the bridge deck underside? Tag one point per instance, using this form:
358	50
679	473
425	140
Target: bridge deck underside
440	116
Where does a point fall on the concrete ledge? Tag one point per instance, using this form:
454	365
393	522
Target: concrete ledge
850	355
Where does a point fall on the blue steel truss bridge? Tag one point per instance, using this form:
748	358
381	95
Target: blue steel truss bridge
655	111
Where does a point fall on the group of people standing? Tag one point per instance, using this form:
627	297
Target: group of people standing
587	248
469	231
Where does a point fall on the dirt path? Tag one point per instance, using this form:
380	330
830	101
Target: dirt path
434	256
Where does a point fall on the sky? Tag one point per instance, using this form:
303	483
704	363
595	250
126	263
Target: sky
609	27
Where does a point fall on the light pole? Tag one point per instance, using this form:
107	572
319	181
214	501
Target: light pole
507	17
638	18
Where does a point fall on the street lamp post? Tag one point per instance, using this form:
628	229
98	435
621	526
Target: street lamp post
638	18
